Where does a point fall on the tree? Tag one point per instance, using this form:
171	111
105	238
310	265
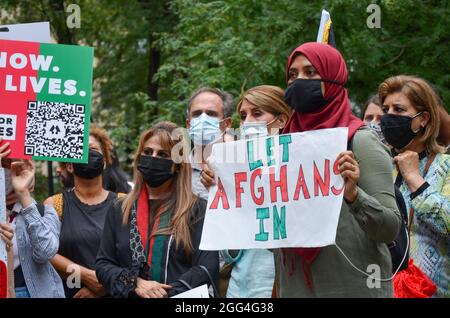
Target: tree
151	55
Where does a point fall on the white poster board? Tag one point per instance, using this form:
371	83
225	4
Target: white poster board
273	192
198	292
31	32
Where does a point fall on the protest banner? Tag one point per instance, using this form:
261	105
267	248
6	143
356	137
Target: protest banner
286	192
31	32
45	100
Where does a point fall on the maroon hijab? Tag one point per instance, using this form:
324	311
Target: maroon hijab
331	66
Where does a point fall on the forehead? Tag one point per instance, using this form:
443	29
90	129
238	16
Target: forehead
207	100
373	109
153	142
247	106
300	61
94	142
397	98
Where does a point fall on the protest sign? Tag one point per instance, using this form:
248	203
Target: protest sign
198	292
45	100
31	32
285	192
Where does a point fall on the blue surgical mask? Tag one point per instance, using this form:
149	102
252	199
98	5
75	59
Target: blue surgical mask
204	129
255	129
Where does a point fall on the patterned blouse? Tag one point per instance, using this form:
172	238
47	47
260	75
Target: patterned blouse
430	239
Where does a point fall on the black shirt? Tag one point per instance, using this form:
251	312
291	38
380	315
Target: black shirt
81	231
114	262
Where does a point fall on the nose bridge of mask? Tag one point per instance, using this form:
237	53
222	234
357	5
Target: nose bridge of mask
204	120
204	129
254	129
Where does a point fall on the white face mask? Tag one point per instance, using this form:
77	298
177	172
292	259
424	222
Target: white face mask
255	129
204	129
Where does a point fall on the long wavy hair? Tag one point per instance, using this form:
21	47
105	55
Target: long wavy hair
183	199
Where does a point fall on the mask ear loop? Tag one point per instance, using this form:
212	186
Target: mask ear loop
421	127
272	121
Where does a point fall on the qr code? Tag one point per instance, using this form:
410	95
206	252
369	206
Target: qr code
54	130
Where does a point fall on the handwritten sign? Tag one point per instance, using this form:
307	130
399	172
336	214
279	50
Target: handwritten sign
284	191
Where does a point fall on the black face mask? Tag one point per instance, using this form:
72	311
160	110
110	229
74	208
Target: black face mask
397	129
92	169
305	95
155	170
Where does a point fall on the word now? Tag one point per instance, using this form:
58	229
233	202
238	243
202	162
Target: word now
19	61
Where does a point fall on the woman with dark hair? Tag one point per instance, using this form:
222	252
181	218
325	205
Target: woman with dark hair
371	115
82	212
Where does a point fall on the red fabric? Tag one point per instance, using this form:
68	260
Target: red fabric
142	220
331	66
142	215
3	280
413	283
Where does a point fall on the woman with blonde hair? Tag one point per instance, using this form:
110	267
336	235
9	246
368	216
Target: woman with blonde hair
151	238
262	112
411	126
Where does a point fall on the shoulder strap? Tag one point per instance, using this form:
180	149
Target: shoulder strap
58	204
121	195
41	208
350	144
425	171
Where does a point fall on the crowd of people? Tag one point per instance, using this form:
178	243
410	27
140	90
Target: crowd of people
104	236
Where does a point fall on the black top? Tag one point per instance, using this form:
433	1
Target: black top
114	262
81	231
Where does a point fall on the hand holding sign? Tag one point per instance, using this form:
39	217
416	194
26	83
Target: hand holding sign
4	151
6	234
22	174
207	176
278	191
349	170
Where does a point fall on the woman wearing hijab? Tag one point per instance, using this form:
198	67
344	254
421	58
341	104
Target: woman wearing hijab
369	218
